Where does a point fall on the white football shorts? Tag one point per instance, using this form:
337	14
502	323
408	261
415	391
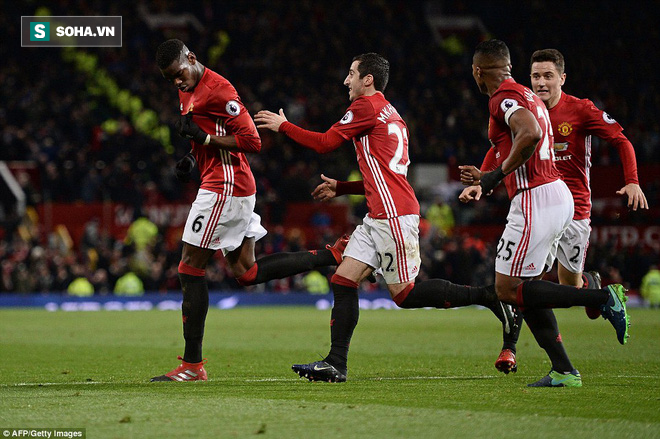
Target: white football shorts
536	221
389	244
221	222
573	245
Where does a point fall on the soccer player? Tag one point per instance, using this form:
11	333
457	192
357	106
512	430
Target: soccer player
222	216
573	122
388	238
541	209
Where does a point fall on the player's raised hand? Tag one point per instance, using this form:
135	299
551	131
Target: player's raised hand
636	197
326	190
470	193
470	175
269	120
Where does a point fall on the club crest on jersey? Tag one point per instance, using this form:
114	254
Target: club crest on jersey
607	118
348	118
564	129
190	108
507	104
233	108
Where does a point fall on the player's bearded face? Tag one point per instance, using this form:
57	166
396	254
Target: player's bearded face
546	81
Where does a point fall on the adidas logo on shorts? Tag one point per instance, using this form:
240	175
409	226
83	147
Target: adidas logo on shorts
530	267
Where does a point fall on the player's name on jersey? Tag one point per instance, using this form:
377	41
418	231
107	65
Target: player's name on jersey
387	111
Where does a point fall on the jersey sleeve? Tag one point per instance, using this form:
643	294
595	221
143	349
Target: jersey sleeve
350	187
319	142
503	104
602	125
490	161
598	122
225	103
359	117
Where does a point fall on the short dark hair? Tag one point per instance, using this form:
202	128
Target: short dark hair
495	49
552	55
168	52
375	65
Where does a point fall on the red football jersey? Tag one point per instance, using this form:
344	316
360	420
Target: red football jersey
380	137
540	168
574	121
218	110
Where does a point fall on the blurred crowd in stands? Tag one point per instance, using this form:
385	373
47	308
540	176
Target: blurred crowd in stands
294	55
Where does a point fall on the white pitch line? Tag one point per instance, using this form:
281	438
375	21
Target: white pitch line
482	377
271	380
256	380
73	383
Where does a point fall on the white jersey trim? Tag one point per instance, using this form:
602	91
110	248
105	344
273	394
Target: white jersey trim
400	243
521	173
521	177
587	164
227	167
379	179
510	111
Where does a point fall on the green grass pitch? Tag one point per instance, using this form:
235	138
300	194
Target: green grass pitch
412	374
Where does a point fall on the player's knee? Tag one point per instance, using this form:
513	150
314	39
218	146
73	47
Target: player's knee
505	292
246	277
190	270
400	297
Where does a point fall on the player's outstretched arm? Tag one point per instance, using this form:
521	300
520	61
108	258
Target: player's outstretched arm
470	193
269	120
636	197
331	188
326	190
470	175
319	142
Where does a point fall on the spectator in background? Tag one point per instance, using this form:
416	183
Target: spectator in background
441	216
100	281
650	288
80	287
316	283
141	234
129	285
